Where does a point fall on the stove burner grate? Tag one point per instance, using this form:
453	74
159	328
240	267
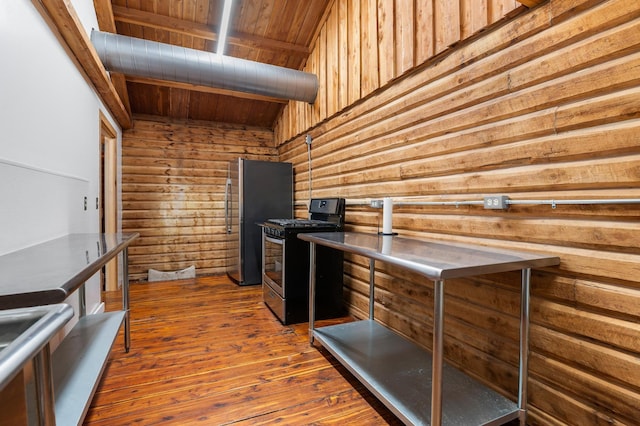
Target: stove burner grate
300	223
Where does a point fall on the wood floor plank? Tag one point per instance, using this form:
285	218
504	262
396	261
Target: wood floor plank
266	371
207	351
221	402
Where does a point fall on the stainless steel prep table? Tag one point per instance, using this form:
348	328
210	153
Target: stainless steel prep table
398	372
48	273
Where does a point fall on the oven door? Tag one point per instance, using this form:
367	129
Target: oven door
273	263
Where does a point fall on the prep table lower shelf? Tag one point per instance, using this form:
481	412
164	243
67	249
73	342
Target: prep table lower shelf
398	372
78	364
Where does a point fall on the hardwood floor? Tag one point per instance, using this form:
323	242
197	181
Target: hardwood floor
207	351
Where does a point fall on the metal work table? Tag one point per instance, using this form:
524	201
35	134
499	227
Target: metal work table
401	374
48	273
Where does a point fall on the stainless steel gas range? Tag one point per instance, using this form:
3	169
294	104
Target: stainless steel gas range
285	264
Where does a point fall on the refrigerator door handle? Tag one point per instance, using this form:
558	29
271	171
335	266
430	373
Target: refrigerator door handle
227	200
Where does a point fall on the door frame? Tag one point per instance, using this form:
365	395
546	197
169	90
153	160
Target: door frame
108	201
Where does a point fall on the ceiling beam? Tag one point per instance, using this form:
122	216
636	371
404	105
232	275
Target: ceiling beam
204	89
65	20
203	31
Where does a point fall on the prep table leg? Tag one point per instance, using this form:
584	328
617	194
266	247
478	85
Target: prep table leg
436	369
372	286
312	289
125	299
524	345
43	379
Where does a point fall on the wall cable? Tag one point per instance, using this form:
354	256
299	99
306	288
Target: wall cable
307	140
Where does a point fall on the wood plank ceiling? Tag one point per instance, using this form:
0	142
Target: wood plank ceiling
277	32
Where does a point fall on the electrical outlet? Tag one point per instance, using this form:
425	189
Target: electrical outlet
496	202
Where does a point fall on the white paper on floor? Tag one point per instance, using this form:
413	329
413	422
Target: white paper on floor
183	274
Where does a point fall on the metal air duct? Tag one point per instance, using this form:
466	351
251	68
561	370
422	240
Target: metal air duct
144	58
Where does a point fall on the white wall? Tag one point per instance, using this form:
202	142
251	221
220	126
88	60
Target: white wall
49	134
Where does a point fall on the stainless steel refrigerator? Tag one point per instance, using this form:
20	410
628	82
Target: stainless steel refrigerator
255	191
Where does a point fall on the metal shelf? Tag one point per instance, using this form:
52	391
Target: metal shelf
78	364
398	372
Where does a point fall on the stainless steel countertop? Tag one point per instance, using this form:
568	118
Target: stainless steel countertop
434	259
49	272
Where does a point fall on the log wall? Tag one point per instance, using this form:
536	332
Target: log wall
545	106
365	45
173	183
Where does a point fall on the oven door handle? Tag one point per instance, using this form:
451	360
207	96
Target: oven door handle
274	240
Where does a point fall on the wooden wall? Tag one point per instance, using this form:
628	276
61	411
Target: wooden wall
364	45
173	182
545	106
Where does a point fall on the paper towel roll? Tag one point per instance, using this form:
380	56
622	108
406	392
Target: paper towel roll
387	242
387	211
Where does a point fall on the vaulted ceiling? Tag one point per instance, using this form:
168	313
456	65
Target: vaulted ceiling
277	32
